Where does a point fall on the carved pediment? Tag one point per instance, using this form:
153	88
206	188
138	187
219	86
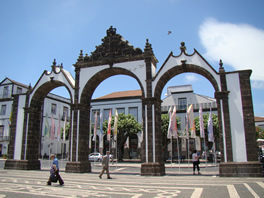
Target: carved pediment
113	46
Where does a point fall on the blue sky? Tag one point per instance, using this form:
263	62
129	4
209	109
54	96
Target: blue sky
34	32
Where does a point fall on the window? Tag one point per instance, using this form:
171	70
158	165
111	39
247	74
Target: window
65	112
93	117
53	109
182	102
5	93
134	112
1	133
106	114
19	90
3	110
120	110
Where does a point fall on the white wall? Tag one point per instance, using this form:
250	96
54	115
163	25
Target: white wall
236	118
19	127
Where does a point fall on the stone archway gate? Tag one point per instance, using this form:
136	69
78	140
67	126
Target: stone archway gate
116	56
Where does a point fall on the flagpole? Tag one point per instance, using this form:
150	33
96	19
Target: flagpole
116	155
205	152
188	152
178	153
171	150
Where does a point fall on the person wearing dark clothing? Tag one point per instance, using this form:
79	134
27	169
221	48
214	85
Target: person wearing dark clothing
54	172
196	162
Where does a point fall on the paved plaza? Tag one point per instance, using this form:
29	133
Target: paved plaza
127	182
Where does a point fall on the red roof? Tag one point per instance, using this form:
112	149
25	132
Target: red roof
122	94
259	119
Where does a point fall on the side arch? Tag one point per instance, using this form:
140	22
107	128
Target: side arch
33	118
179	69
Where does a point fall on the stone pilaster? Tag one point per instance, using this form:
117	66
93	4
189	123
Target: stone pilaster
248	115
80	141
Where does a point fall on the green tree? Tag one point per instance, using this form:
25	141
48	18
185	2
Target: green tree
259	132
127	126
215	126
67	131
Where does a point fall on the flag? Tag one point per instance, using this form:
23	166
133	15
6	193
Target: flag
52	135
210	128
95	126
115	125
109	126
9	120
64	127
197	143
187	126
46	130
101	127
191	120
173	123
169	131
59	127
201	122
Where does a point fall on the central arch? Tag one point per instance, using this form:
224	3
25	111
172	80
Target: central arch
99	77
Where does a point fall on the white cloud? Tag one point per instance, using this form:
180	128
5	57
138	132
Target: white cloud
257	84
238	45
189	78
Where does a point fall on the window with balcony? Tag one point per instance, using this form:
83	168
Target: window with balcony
182	103
3	110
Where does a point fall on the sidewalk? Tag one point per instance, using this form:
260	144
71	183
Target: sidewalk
45	164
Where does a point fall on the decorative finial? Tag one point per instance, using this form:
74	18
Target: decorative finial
80	58
183	48
54	62
221	63
221	68
111	31
61	66
148	46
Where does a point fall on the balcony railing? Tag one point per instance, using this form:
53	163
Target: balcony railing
195	106
4	138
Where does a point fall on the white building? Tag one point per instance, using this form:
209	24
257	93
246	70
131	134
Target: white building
127	102
8	88
182	96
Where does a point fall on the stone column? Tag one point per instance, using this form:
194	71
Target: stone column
79	136
151	146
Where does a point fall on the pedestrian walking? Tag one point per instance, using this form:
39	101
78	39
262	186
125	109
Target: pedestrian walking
54	171
196	162
105	165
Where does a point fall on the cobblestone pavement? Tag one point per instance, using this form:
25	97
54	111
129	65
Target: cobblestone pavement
15	183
